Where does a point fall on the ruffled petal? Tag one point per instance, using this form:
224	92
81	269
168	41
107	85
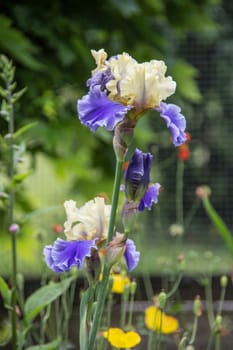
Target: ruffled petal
63	255
131	255
151	196
95	109
175	122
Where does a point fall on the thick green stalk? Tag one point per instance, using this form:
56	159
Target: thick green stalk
11	219
115	196
104	283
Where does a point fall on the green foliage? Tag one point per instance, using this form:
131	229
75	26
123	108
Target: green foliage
53	345
43	297
15	44
5	293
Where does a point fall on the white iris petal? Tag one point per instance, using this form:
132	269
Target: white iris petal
142	85
88	222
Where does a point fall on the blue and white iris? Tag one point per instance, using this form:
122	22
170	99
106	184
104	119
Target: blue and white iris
121	88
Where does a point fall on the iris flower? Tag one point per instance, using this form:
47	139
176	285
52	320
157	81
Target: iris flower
120	89
122	340
137	181
86	230
158	321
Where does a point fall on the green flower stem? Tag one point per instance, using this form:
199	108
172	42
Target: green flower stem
179	192
175	286
209	303
115	196
194	332
219	224
221	300
159	336
217	342
192	212
11	217
124	300
151	336
104	283
131	309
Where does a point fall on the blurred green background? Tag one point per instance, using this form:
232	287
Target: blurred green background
50	44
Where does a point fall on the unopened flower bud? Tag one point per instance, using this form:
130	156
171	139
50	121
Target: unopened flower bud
115	249
223	281
218	324
57	228
93	266
197	306
129	211
137	175
126	292
162	299
181	262
203	192
14	228
123	135
133	287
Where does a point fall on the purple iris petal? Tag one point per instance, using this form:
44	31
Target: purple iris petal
132	256
63	255
95	109
149	197
137	175
175	121
100	78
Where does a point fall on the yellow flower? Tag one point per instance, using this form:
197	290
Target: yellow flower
120	339
119	283
158	321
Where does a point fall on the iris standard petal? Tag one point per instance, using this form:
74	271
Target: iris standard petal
131	255
95	109
175	122
63	255
151	196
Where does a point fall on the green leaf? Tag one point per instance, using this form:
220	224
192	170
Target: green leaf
184	74
219	224
43	297
17	45
24	128
18	178
17	95
5	292
5	332
53	345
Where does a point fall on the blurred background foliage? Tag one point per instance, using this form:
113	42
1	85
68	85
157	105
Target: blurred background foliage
50	44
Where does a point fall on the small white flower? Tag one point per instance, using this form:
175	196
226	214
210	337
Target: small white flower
88	222
176	230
